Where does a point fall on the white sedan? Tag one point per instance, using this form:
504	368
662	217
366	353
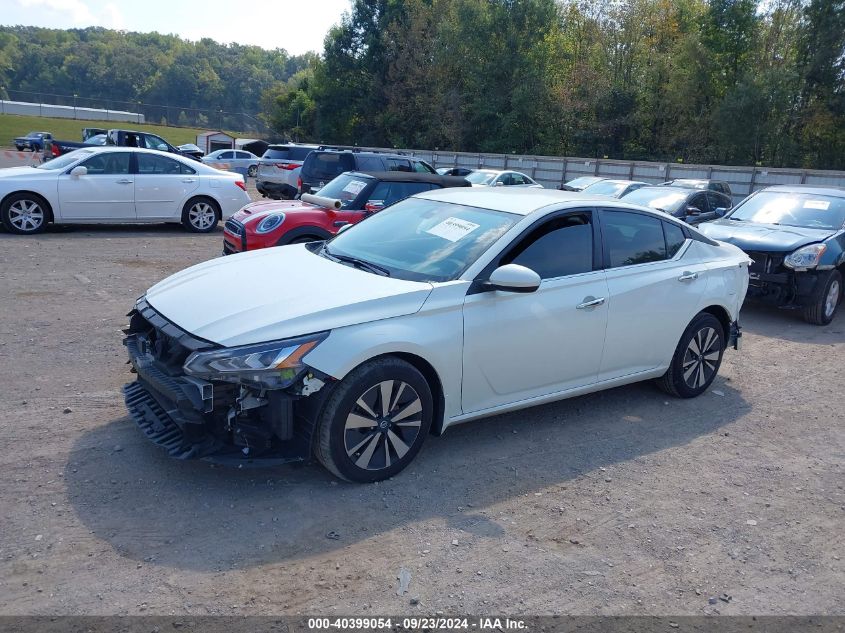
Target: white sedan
497	178
118	185
451	305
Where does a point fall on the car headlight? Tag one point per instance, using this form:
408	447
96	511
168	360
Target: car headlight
269	365
805	257
269	223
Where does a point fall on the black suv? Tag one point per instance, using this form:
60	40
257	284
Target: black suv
322	166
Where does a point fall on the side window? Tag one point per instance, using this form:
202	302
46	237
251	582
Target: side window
718	200
226	155
518	179
675	238
381	193
632	238
401	190
369	163
562	246
420	167
241	155
108	164
152	164
398	164
154	142
700	202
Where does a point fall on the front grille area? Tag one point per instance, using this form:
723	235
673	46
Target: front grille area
766	263
235	227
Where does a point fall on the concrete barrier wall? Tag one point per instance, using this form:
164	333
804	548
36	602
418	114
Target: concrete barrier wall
67	112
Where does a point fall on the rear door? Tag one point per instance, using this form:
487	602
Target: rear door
655	280
105	193
162	185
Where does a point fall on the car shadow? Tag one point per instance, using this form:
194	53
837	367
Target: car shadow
195	515
789	325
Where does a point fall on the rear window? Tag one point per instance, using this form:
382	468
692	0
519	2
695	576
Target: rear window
276	153
299	153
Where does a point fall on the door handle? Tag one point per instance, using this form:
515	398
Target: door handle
688	276
590	302
188	180
125	181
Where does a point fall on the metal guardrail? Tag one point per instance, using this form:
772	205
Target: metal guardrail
553	171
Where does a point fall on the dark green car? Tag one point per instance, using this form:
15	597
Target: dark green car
796	236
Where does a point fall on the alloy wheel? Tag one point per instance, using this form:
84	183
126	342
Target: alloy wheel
383	425
26	215
201	216
701	357
832	299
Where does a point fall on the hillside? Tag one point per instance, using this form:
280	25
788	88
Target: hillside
71	129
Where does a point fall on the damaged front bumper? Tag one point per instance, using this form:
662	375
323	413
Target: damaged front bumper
207	419
735	336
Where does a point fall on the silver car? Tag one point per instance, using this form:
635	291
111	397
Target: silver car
279	168
233	160
497	178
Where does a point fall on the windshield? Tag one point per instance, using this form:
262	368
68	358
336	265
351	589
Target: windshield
606	188
583	181
662	199
66	160
808	210
345	188
481	177
423	240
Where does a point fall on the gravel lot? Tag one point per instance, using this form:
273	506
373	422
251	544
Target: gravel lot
624	502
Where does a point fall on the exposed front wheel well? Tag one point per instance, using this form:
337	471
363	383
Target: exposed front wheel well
724	318
433	380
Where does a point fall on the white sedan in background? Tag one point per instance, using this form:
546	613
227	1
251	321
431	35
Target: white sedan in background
498	178
448	306
102	185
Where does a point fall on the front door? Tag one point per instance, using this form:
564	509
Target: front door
519	346
162	186
105	193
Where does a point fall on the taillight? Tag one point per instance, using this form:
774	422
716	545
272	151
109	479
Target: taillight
287	166
241	184
299	183
54	150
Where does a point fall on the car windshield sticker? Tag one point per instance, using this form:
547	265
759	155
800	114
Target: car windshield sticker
354	187
816	204
453	229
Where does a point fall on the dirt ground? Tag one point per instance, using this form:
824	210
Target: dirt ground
624	502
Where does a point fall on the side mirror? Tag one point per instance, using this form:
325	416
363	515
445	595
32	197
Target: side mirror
514	278
721	211
498	183
374	205
79	170
693	211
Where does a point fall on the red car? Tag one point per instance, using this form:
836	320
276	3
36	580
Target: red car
347	199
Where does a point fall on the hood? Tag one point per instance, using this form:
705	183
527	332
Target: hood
763	237
26	170
261	209
277	293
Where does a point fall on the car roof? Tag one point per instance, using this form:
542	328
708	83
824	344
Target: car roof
822	190
619	182
518	200
676	188
412	176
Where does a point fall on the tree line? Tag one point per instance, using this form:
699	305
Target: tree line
704	81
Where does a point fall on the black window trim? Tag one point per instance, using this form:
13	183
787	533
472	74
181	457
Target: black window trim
478	284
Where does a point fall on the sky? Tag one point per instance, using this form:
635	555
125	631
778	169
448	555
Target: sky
297	26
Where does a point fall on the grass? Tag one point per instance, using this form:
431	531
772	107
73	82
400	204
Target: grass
12	125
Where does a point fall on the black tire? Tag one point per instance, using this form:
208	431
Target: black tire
25	213
693	368
20	148
364	453
303	239
252	171
197	215
825	300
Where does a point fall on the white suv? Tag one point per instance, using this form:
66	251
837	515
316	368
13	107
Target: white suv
278	170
